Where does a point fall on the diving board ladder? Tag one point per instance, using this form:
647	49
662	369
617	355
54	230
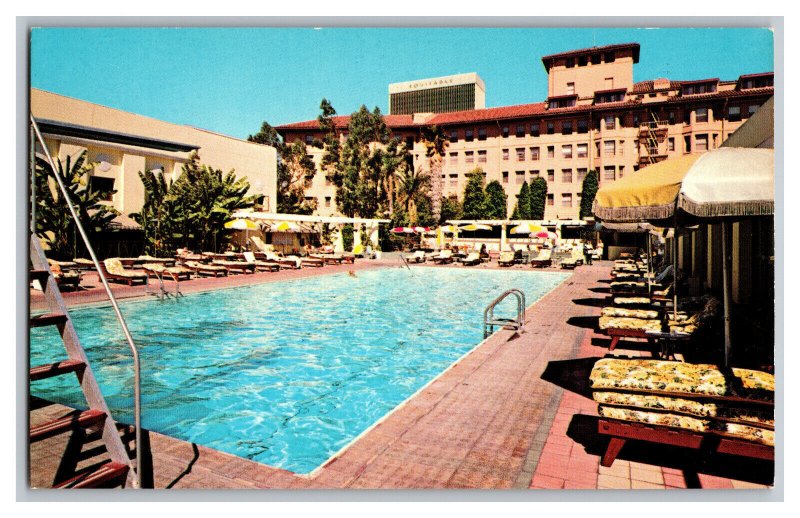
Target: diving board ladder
118	471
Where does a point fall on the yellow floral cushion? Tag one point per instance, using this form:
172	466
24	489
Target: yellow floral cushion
747	432
629	323
669	377
656	418
114	267
610	311
631	301
628	284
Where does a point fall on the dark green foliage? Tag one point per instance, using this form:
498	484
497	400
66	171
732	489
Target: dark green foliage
475	200
522	210
436	144
347	236
496	200
538	198
54	222
589	191
191	212
451	209
267	136
295	170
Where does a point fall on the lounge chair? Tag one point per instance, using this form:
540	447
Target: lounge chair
65	278
206	269
417	257
236	266
114	271
472	259
176	273
261	266
311	261
328	258
444	257
698	406
271	255
542	260
506	258
575	259
157	260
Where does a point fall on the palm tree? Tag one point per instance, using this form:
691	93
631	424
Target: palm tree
436	144
411	184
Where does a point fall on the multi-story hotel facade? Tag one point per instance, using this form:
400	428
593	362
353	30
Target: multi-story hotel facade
121	144
437	95
594	118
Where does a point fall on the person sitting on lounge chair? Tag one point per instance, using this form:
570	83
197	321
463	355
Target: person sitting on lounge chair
206	269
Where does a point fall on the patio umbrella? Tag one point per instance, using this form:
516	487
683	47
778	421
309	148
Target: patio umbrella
242	224
449	229
402	230
544	234
284	226
420	230
527	228
475	226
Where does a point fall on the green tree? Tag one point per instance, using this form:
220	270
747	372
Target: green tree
589	191
538	197
296	171
475	200
496	201
267	135
54	222
436	143
160	217
410	185
522	210
451	209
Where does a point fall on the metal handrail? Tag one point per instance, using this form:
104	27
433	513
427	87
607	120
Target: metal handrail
488	314
128	337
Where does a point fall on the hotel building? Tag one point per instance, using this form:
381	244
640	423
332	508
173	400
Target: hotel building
595	117
121	144
437	95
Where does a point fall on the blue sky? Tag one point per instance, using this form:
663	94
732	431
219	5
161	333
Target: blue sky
229	80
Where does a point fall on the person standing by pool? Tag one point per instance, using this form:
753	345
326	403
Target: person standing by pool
587	252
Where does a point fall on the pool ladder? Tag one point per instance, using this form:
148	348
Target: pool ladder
489	320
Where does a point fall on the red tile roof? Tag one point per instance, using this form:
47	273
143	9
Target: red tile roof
724	94
700	81
485	114
342	121
760	74
548	60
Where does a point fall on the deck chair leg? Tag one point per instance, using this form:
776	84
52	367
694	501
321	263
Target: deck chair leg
614	342
613	449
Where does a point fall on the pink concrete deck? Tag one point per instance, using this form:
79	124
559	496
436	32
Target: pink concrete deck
510	414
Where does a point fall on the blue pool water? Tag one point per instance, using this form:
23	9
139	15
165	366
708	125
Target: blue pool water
286	373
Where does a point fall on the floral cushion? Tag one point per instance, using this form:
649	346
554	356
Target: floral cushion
746	432
210	267
669	377
629	323
631	301
656	418
610	311
761	417
114	267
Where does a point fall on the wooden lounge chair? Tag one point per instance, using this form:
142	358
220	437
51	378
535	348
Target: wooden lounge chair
417	257
165	261
236	266
444	257
114	271
261	266
542	260
575	259
506	259
472	259
328	258
66	279
206	269
312	261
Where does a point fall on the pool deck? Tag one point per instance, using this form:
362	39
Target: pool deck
511	414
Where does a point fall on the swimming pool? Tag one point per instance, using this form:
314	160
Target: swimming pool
286	373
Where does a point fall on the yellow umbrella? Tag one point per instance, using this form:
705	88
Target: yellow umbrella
449	229
649	194
475	226
527	228
242	224
284	226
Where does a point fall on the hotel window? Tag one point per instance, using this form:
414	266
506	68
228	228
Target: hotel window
570	88
608	57
621	171
566	128
621	148
636	120
595	59
454	136
454	180
327	201
309	139
469	157
469	135
99	183
453	158
520	130
566	151
570	62
701	142
535	153
583	150
597	148
520	177
582	60
608	172
535	129
566	176
609	147
551	127
671	117
551	175
734	113
328	181
551	151
581	174
307	181
551	200
520	154
482	157
505	154
566	199
311	200
534	174
505	131
481	133
671	144
752	109
701	115
687	144
583	126
505	176
609	122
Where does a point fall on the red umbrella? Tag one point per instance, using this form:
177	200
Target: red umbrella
546	235
403	230
421	229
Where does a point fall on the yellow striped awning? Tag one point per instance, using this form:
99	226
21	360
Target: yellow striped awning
650	193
